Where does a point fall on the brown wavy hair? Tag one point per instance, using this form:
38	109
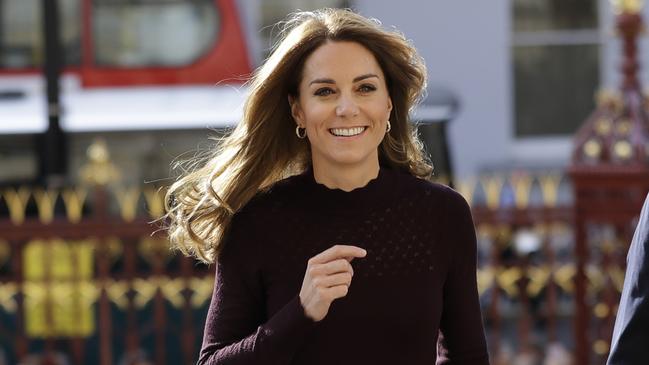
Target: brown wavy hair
263	148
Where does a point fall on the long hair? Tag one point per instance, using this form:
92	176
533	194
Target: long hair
263	148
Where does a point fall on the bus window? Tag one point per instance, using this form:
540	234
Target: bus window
21	33
146	33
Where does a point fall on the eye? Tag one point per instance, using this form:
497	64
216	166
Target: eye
325	91
366	88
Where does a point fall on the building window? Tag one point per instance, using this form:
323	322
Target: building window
555	53
133	33
21	33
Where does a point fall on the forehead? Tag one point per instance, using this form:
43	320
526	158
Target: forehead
340	61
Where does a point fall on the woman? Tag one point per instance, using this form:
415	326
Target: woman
330	245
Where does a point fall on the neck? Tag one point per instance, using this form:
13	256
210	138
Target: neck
345	177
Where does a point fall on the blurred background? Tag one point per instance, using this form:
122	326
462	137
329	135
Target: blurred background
529	114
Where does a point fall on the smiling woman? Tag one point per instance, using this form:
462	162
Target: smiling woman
344	105
324	170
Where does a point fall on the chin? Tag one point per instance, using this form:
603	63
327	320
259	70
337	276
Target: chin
351	158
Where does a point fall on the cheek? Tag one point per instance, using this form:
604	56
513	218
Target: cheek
380	111
316	114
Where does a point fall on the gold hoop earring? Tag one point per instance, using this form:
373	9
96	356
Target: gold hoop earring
389	127
298	134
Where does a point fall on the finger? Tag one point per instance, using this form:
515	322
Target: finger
332	267
333	280
336	252
337	291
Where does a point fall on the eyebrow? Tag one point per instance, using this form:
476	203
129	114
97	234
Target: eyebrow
331	81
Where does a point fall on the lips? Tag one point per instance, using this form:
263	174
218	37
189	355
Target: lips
347	132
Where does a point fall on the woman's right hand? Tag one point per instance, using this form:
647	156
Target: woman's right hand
328	276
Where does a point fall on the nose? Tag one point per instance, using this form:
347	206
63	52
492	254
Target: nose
346	107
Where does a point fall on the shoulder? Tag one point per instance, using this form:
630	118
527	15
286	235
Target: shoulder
430	192
274	197
260	214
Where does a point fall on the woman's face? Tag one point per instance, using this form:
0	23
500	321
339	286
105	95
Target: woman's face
344	105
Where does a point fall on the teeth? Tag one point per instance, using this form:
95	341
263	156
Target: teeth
347	131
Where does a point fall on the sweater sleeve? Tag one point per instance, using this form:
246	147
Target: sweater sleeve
236	330
631	332
461	338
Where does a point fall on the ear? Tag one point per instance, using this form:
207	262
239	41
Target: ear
296	111
389	106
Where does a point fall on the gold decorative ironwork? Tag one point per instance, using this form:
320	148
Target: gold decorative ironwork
127	199
485	279
37	321
550	187
596	279
492	186
617	277
504	235
610	99
117	293
45	200
72	308
623	127
152	249
172	289
202	289
155	202
17	203
58	260
73	200
112	247
600	347
539	277
601	310
623	150
8	292
59	309
592	148
603	126
507	279
99	170
564	277
58	288
522	185
145	290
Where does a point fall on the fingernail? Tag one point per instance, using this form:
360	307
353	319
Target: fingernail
364	252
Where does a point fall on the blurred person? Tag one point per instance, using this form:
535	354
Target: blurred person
630	343
323	184
557	354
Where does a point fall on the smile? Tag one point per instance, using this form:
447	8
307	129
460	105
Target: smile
347	132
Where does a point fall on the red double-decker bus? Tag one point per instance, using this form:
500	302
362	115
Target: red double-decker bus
128	64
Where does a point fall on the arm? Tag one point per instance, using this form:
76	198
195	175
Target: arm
235	332
631	333
461	339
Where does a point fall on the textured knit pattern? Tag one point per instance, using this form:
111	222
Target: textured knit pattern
413	298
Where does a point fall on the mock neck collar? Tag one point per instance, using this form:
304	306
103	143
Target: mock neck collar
378	188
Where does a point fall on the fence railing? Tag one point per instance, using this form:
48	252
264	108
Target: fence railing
85	277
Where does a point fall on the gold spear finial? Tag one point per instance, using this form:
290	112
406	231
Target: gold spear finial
99	170
627	6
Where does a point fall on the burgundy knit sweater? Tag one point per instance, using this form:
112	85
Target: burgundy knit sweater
413	297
